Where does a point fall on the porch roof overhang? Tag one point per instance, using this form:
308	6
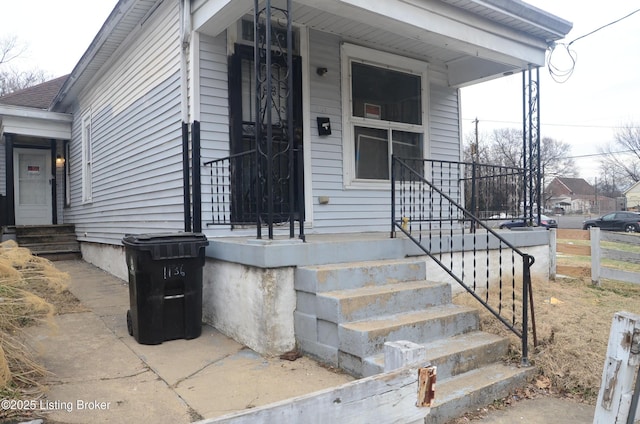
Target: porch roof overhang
35	122
476	39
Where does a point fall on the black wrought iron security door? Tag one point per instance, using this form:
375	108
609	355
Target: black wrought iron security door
248	180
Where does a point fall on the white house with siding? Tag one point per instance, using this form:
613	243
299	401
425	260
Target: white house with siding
167	84
632	196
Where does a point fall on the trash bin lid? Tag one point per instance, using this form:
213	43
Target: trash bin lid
167	245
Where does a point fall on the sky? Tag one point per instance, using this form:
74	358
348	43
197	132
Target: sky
601	95
56	33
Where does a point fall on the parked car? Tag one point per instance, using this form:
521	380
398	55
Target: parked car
518	222
615	221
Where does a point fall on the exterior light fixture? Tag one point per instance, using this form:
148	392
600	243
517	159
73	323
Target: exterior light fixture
59	161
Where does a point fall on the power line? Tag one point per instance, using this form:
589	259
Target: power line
552	124
562	75
590	155
603	26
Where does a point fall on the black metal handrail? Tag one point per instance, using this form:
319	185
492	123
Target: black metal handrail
432	215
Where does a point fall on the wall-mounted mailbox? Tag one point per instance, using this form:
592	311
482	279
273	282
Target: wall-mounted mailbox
324	126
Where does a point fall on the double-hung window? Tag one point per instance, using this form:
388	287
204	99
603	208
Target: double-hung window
384	104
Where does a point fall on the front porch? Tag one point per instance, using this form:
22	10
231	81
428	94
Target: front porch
321	249
338	298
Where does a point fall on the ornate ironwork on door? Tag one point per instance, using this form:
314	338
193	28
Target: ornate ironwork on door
265	166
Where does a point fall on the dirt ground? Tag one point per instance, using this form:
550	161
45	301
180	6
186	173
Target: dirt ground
573	319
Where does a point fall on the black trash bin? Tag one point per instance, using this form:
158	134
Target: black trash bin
165	286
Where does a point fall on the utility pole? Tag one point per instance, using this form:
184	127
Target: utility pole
475	156
476	150
596	193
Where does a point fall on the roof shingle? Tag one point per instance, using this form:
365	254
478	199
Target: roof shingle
37	96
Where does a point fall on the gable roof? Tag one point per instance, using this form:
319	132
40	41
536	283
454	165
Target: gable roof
633	188
38	96
577	186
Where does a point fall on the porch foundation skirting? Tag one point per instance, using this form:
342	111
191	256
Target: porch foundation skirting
252	305
249	295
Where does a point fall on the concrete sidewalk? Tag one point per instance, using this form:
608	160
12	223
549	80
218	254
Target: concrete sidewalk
544	410
101	374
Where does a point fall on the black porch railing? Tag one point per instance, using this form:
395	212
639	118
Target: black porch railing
232	182
233	194
433	215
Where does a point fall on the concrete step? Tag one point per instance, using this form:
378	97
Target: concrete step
466	392
366	337
44	229
60	255
453	355
55	242
72	246
357	304
26	239
323	278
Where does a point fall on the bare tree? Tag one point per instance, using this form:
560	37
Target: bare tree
505	147
11	78
10	48
621	159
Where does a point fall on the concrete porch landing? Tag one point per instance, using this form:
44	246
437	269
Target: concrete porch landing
322	249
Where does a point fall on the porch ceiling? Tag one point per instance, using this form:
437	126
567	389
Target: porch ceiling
476	39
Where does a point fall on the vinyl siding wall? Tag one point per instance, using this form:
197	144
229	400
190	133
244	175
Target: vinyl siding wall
214	115
356	210
349	210
136	137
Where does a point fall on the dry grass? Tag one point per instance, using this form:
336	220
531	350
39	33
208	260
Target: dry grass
30	290
573	320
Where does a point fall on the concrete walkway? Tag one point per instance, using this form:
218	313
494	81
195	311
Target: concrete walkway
543	410
101	374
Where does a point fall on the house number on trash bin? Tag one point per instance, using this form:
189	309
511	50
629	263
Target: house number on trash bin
173	271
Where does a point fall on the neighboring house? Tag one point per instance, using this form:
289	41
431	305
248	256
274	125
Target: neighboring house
169	84
26	113
575	195
632	196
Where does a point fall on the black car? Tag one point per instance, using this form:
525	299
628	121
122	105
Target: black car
518	222
615	221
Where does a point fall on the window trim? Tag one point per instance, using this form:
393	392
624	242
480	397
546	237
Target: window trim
367	56
87	158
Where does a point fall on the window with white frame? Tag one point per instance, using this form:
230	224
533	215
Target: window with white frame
87	158
384	104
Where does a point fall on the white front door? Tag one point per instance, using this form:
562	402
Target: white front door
33	179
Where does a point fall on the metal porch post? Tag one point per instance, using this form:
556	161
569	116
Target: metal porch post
274	135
